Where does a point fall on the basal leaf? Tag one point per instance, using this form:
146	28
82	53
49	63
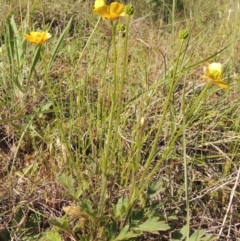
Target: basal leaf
122	233
53	236
197	235
61	224
126	235
120	208
68	183
152	225
200	235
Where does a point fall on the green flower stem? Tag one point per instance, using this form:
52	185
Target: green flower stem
136	160
166	106
101	112
107	159
116	108
173	17
185	115
185	160
177	133
121	83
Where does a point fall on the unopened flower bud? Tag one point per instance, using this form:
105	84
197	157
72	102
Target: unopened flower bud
129	9
121	27
183	34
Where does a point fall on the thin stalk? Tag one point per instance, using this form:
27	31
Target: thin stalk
102	96
175	135
185	161
159	131
121	83
106	160
173	17
171	143
135	163
136	159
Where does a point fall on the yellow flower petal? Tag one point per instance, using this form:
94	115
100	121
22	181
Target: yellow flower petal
99	3
37	37
112	12
104	11
116	8
215	70
221	84
213	74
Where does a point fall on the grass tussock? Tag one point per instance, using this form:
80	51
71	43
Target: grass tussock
119	129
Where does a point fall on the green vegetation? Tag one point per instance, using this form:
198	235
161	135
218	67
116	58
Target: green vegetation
124	128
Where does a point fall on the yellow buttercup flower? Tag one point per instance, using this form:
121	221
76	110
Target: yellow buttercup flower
112	12
38	37
214	74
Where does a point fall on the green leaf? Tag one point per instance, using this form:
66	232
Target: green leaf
180	235
177	236
130	235
35	60
10	44
155	188
68	183
122	233
125	235
14	51
197	235
200	235
136	217
53	236
55	51
61	224
18	43
120	208
209	237
152	225
111	229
